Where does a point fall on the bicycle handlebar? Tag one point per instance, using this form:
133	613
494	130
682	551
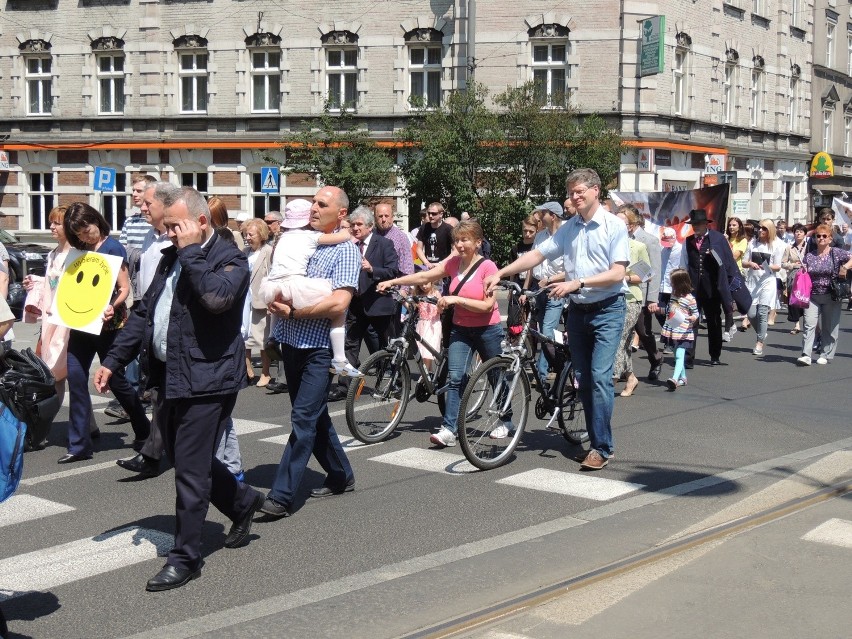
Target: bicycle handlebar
399	297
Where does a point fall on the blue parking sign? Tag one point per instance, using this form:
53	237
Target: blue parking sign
269	179
104	179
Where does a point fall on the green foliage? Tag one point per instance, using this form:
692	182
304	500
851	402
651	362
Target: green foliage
496	163
341	154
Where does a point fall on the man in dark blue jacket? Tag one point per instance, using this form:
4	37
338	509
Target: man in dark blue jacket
187	333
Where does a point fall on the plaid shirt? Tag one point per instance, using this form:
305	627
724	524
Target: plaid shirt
340	263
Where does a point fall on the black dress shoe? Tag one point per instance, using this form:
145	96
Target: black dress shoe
274	509
68	458
715	362
170	577
241	529
95	434
336	394
145	466
276	387
654	373
328	491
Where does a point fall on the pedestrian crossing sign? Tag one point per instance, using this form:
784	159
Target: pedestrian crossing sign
269	179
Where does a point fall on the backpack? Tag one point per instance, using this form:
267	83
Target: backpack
12	434
28	390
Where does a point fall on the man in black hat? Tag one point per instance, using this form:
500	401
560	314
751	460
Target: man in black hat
708	259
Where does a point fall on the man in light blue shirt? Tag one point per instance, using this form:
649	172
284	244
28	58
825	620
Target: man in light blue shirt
595	253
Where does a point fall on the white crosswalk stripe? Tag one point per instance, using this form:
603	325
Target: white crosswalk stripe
20	508
246	426
574	484
834	532
45	569
435	461
350	444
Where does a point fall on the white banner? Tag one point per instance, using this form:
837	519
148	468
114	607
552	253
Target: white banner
842	211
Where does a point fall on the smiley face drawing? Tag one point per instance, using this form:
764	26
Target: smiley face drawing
85	289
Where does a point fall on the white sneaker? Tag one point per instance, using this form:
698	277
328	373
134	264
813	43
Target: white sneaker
502	431
344	369
726	336
733	331
804	360
443	438
822	360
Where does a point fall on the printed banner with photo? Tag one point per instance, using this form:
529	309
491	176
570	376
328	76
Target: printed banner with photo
85	290
842	211
671	208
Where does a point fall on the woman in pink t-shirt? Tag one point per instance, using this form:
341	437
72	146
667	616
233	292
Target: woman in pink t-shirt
476	320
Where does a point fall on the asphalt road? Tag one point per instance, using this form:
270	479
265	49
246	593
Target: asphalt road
424	539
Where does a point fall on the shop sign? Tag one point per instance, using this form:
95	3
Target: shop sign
675	185
4	161
662	157
646	160
715	163
822	165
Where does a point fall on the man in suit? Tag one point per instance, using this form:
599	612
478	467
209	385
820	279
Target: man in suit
708	258
369	308
187	333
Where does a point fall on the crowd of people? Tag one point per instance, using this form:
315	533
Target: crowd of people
197	298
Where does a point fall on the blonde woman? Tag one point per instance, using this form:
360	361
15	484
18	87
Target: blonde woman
255	317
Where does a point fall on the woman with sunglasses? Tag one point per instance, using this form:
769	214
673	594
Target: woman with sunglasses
823	264
87	230
761	262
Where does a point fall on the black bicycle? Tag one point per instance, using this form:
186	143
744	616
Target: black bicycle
376	403
494	407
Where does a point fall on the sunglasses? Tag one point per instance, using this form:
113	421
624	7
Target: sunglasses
823	237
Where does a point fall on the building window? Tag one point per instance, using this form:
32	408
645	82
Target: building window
198	181
729	93
193	82
262	203
829	43
849	54
424	69
756	97
341	77
550	73
679	78
39	85
265	81
793	106
847	132
42	199
796	13
114	203
111	84
826	129
757	7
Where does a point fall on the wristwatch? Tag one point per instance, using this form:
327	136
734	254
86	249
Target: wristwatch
292	314
582	284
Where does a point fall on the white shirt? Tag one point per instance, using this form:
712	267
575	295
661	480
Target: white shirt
761	282
670	259
295	247
152	253
548	268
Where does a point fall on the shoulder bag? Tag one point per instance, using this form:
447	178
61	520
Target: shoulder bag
447	315
839	288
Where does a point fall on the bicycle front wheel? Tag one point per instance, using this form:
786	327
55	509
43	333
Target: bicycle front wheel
376	403
567	404
490	434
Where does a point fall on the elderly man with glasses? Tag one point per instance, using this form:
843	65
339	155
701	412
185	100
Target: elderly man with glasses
273	220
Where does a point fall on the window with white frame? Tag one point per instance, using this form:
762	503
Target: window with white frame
757	7
550	73
849	54
192	74
265	81
114	204
341	72
793	104
830	29
847	132
262	203
729	93
827	113
39	85
42	199
197	180
424	72
796	13
756	97
679	80
110	83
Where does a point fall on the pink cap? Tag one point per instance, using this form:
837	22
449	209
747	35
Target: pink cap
297	214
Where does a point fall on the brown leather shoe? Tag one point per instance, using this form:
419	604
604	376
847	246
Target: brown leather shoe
581	456
594	461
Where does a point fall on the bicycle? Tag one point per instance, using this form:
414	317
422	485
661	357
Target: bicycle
490	433
376	403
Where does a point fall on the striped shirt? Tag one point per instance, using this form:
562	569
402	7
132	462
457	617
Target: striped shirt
134	231
339	263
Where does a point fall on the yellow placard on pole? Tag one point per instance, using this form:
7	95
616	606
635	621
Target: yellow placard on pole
85	290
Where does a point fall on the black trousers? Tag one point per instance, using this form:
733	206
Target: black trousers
154	445
712	309
357	325
645	331
191	430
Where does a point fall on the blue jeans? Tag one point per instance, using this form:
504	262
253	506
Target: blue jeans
464	340
308	381
595	337
548	312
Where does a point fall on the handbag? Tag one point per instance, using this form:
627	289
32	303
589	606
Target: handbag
447	315
800	292
839	288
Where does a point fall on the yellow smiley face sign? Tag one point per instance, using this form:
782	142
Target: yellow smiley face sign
85	289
